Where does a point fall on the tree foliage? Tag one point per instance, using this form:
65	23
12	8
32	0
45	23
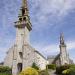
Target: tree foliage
5	70
60	69
51	66
35	66
70	71
66	70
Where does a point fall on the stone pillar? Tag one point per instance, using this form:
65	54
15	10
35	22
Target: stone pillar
25	64
14	63
14	68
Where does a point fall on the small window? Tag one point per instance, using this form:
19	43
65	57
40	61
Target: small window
20	53
24	18
23	11
20	19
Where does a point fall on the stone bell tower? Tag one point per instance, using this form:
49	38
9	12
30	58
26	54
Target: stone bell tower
64	56
23	28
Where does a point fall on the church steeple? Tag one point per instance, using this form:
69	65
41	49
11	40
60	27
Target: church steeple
62	42
24	4
23	25
24	8
64	58
23	17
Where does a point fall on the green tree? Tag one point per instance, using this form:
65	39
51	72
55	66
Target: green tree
51	66
5	70
35	66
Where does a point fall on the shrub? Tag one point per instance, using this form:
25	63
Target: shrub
51	66
72	66
35	66
69	72
72	71
60	69
4	70
66	70
29	71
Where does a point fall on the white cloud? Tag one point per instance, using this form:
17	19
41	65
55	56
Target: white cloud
54	6
71	45
54	48
48	49
51	49
44	10
47	11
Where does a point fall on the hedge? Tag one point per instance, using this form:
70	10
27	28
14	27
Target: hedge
60	69
51	66
66	70
4	70
34	65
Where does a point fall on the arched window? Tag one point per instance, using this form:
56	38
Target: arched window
20	19
21	55
19	66
24	18
23	11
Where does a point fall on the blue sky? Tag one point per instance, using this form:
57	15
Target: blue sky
48	17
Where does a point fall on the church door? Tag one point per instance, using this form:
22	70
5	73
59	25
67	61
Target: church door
19	66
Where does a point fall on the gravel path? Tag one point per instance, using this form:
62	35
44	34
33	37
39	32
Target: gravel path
52	72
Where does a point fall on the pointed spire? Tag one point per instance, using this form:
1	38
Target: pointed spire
62	39
24	8
24	18
24	4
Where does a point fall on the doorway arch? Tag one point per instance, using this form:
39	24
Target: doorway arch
19	67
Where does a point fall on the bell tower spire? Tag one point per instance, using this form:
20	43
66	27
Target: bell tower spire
24	4
23	17
64	56
62	39
23	27
24	8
